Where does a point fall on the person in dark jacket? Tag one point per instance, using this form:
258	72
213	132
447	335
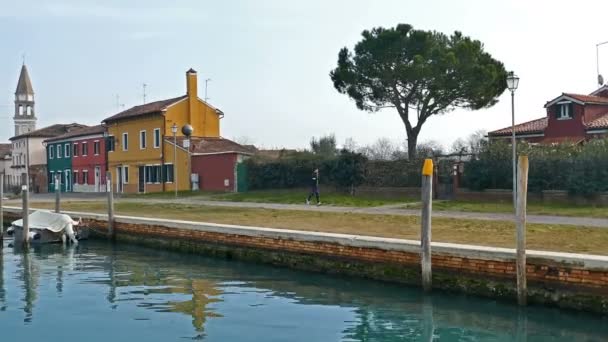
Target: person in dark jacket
314	187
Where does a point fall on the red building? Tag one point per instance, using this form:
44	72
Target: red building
217	162
570	118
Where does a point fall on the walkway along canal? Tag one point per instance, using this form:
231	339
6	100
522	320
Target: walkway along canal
573	281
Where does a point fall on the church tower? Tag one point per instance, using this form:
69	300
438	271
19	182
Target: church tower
25	115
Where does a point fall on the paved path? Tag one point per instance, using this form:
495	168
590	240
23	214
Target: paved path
383	210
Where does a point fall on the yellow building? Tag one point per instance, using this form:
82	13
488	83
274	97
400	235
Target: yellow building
139	156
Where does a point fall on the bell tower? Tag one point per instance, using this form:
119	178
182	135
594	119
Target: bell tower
25	114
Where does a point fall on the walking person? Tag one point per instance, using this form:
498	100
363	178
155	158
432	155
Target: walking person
314	187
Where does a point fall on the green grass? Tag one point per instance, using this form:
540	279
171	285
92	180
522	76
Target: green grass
534	208
562	238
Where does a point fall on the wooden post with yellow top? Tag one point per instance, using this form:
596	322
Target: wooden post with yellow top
522	199
425	236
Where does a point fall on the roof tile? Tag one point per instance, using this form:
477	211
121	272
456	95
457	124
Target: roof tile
148	108
534	126
99	129
50	131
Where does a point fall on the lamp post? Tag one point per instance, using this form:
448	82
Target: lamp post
187	132
512	83
174	131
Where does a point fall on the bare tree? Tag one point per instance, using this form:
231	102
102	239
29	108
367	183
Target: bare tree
382	149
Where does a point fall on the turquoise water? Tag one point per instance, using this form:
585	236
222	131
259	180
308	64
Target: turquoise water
102	292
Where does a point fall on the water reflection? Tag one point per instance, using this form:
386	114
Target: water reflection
215	294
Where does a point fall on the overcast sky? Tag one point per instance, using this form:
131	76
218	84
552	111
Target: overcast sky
269	60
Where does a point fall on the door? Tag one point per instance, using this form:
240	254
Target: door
68	181
97	178
142	179
241	177
118	179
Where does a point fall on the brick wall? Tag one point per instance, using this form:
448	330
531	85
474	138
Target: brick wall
561	279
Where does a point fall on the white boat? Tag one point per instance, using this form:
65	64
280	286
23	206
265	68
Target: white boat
49	227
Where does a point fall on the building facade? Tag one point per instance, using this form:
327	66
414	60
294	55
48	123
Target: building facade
571	118
79	159
139	158
30	155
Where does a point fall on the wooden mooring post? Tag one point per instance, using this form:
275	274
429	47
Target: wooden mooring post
57	193
110	205
425	236
522	196
25	207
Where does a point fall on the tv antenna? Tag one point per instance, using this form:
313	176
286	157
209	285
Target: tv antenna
206	86
144	86
600	78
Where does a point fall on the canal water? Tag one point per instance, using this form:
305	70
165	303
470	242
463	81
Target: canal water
102	292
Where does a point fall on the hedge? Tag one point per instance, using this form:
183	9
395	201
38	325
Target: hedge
581	170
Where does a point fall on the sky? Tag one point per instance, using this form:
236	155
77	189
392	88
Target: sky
269	61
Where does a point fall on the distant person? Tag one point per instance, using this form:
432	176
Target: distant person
314	187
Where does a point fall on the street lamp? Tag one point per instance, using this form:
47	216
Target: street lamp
174	131
187	132
512	83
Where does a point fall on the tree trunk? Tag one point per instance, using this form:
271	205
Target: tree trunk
412	143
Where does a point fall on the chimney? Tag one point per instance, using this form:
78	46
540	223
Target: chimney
192	90
191	83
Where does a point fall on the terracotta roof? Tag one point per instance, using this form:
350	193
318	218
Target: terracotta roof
148	108
534	126
99	129
561	140
601	122
5	150
200	145
24	85
50	131
589	98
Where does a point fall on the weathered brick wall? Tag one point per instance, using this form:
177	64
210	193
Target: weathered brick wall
541	271
569	280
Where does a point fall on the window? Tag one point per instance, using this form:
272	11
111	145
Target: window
125	141
125	174
75	176
156	137
20	110
565	110
153	174
142	139
85	149
96	147
29	110
110	143
51	178
168	173
59	152
75	150
67	150
85	177
51	152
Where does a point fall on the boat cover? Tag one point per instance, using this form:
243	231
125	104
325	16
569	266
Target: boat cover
46	220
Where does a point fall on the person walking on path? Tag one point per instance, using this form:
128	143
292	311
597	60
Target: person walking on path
314	187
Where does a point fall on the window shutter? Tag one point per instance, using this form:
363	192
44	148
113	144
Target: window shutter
571	109
557	111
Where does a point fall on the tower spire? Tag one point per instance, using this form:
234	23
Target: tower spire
25	115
